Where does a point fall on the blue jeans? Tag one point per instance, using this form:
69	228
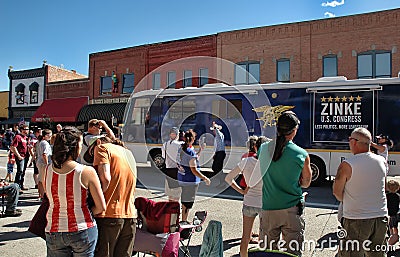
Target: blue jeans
20	175
12	192
80	243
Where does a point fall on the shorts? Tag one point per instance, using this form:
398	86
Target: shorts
188	195
10	168
250	211
172	193
393	221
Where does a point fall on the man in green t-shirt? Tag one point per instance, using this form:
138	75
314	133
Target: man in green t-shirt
285	168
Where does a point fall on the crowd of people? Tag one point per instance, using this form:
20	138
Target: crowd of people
90	178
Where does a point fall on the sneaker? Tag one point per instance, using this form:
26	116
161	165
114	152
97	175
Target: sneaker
13	213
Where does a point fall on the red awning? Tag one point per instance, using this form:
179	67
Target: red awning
60	110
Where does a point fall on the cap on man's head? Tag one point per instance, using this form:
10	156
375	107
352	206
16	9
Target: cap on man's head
93	122
94	139
174	130
287	122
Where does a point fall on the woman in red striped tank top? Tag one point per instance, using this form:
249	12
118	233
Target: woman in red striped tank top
71	229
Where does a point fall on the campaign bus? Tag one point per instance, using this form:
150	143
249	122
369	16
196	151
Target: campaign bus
329	109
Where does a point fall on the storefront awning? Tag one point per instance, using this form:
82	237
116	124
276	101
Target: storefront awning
14	121
102	112
60	110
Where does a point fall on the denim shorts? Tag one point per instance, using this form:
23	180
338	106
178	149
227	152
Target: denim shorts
250	211
81	243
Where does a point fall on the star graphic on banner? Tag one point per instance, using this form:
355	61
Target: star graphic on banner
359	98
337	99
330	99
323	99
344	98
351	98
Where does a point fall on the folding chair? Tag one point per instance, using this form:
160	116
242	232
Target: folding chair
157	232
186	231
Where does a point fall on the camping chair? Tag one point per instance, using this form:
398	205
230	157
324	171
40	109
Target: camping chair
268	253
157	232
186	231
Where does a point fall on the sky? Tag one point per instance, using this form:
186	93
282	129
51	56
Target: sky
64	33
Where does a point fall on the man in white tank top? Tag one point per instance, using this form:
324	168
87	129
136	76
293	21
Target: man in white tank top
360	185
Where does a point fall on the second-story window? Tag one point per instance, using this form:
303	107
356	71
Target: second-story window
33	93
203	76
283	70
187	78
106	85
374	64
329	66
171	79
128	83
20	93
247	73
156	80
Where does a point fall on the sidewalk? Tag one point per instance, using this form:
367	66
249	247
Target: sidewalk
321	224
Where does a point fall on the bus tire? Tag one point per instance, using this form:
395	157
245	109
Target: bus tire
318	171
156	159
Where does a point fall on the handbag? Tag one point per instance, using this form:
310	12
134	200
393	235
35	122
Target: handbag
39	221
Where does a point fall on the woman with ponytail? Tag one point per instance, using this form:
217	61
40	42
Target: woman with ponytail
189	174
71	229
285	168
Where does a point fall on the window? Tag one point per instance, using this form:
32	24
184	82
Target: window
227	109
140	110
171	79
329	66
106	85
20	93
156	81
203	74
33	93
182	109
283	70
128	83
374	64
247	73
187	78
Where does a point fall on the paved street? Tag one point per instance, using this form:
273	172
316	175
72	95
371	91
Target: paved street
321	223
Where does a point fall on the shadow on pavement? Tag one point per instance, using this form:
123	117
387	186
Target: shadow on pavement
14	235
230	243
328	241
22	224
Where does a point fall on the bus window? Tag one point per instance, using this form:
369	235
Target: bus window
227	109
180	109
140	110
234	109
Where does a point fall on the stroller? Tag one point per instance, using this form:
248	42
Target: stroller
159	231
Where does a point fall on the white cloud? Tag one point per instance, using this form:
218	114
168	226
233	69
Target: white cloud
333	3
329	15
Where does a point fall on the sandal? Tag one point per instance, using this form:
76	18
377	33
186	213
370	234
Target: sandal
253	241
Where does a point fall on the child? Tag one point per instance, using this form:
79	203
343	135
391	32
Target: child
10	166
393	200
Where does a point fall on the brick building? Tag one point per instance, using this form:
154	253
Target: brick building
356	46
29	88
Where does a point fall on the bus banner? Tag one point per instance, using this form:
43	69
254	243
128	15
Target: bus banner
337	113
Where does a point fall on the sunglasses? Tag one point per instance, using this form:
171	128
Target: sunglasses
350	138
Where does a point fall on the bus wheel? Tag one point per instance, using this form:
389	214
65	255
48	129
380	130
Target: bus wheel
157	161
318	171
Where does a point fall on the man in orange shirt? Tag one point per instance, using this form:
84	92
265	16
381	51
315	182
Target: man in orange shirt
116	168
